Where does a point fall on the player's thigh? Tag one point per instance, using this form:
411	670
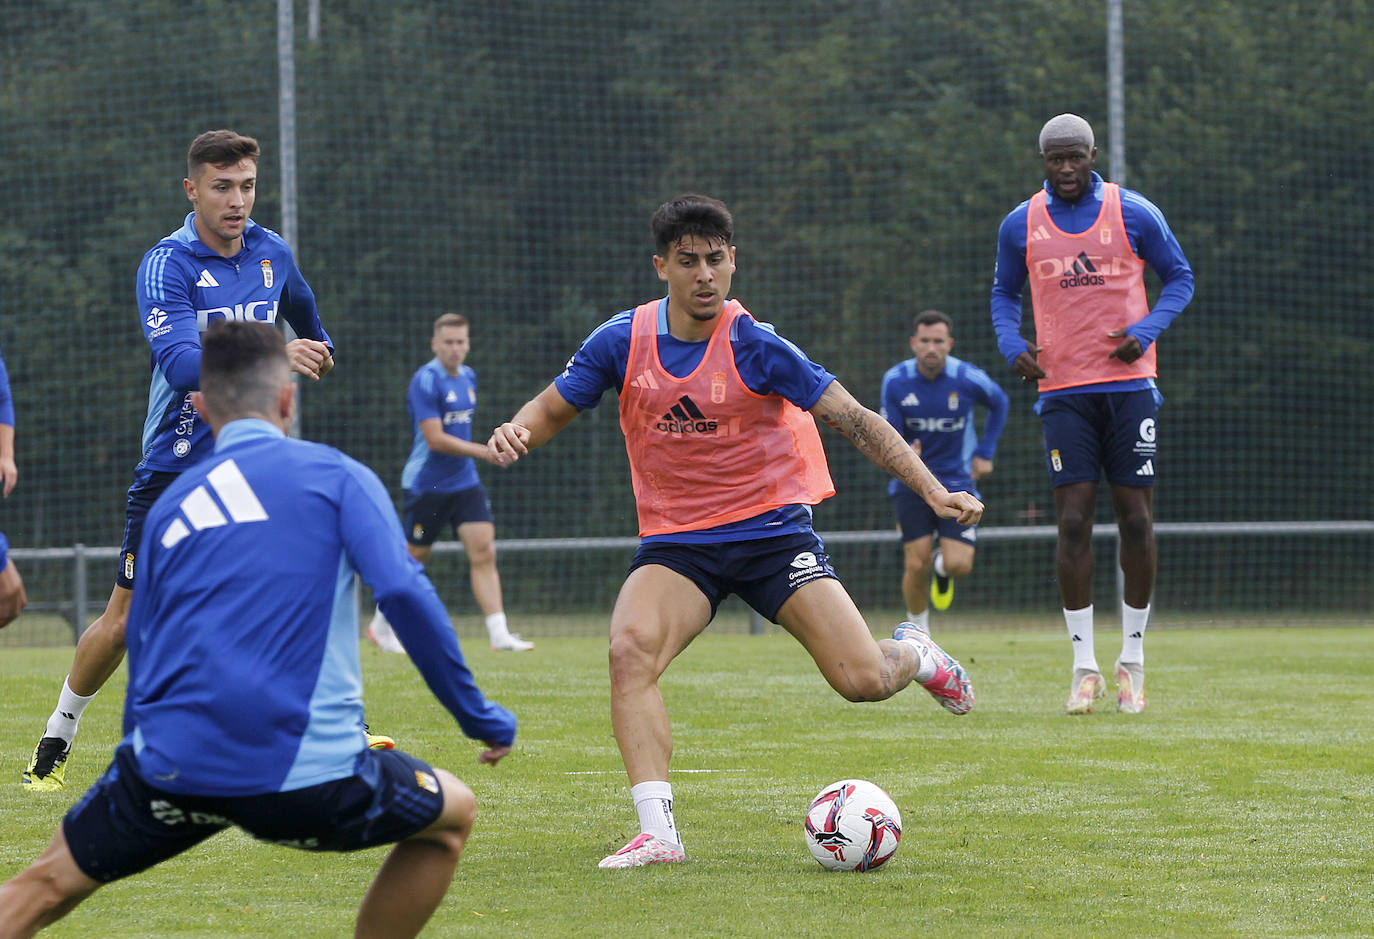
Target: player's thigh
391	797
1130	455
658	612
147	486
479	541
108	627
823	618
1074	428
423	517
916	554
459	809
122	826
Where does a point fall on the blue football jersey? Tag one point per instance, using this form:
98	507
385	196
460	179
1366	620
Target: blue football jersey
452	399
182	287
244	673
939	413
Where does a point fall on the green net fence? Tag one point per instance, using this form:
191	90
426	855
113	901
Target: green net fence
502	161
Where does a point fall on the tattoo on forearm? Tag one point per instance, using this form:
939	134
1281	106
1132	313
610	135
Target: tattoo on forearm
876	439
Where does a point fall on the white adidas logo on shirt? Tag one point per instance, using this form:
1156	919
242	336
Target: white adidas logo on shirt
201	511
206	279
911	401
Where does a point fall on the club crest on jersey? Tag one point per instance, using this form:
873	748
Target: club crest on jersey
267	274
954	400
1057	463
718	388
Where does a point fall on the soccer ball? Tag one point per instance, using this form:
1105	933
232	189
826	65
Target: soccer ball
852	825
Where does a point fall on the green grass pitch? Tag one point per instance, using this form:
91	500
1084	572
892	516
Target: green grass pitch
1240	804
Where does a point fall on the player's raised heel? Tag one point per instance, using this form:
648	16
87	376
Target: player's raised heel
1130	687
1086	688
950	685
47	770
645	849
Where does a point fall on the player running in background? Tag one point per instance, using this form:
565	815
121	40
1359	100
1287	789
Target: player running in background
726	462
244	704
929	399
13	599
1083	245
220	265
440	479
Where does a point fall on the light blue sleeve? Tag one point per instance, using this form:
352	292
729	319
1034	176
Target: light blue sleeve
375	544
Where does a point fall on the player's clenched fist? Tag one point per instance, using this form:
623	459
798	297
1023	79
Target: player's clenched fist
309	357
508	443
960	505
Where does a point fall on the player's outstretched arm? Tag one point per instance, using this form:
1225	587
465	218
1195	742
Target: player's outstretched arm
877	440
533	425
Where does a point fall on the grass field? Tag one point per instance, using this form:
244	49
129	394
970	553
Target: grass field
1240	804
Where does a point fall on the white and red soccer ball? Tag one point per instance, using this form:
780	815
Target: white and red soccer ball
853	825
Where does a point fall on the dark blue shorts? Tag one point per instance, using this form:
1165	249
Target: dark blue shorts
917	519
122	825
1111	433
427	513
148	485
764	572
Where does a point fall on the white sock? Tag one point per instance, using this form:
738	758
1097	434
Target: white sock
1133	624
654	803
926	670
67	715
939	564
920	619
496	626
1080	623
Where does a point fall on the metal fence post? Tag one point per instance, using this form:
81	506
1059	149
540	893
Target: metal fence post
78	591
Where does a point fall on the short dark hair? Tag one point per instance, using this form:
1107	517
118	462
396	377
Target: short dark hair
243	366
220	148
449	319
930	318
692	215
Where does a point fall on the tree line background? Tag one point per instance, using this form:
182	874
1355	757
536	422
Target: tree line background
502	161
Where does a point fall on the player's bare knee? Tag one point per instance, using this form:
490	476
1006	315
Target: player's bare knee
1136	527
1075	526
454	824
631	657
867	687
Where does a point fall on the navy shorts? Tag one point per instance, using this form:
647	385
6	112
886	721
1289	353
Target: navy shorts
122	825
1111	433
148	485
764	572
917	519
427	513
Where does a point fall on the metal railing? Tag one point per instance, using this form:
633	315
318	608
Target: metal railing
77	610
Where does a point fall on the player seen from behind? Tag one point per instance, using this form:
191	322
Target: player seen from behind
244	705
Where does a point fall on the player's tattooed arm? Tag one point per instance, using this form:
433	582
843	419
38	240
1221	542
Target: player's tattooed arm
878	441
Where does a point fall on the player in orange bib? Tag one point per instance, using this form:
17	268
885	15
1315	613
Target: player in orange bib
1082	245
726	462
